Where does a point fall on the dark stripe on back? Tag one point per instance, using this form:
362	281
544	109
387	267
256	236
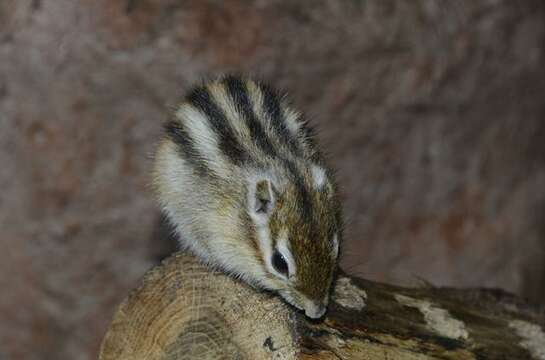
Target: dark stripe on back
186	147
228	143
271	106
239	94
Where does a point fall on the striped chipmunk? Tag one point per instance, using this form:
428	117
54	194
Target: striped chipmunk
240	178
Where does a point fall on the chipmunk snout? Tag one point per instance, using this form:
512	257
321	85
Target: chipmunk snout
315	309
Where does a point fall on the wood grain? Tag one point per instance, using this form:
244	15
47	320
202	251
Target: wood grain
184	310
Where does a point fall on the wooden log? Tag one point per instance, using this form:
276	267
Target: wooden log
184	310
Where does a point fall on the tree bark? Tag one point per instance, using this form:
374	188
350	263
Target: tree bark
185	310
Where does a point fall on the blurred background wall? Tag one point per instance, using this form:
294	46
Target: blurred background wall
433	113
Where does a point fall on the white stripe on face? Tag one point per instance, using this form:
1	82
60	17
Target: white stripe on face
282	245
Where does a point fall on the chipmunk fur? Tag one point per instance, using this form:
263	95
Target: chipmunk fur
239	176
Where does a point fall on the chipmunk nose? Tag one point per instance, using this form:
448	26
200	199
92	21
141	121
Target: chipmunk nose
315	310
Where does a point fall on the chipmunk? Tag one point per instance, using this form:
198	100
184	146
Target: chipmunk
239	176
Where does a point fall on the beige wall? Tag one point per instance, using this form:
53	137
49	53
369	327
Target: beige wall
432	112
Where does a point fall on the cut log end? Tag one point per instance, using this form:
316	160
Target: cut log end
184	310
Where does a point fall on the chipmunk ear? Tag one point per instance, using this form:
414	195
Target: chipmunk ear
261	199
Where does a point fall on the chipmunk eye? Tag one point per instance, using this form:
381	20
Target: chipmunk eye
279	263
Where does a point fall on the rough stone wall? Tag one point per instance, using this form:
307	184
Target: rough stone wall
432	112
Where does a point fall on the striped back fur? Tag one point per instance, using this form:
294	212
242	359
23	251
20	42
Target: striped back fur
241	178
243	123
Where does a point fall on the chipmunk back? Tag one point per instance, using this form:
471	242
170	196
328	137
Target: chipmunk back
240	177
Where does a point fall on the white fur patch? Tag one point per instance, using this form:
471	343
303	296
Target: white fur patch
292	122
318	176
335	246
256	99
204	138
437	319
533	337
283	248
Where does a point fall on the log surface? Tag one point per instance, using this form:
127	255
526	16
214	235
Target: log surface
184	310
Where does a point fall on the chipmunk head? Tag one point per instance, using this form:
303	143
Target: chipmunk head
298	228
